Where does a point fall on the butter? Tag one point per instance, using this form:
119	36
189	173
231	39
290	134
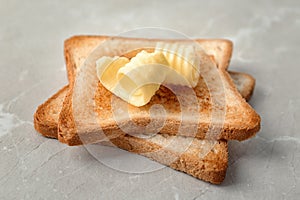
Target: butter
144	68
184	60
107	68
136	80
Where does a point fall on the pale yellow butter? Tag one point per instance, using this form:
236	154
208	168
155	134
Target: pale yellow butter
107	69
184	60
137	80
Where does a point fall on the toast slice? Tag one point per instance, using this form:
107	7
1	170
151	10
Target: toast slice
211	168
240	120
46	115
80	47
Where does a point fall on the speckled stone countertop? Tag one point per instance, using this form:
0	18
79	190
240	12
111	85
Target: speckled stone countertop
266	45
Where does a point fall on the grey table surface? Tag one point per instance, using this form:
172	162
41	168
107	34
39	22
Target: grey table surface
266	45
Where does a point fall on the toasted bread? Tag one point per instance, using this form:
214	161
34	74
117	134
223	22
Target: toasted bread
46	122
46	115
240	121
212	168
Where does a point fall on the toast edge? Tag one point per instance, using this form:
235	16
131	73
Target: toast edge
46	127
190	164
250	127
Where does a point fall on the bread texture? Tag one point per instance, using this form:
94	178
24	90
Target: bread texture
211	168
240	121
46	115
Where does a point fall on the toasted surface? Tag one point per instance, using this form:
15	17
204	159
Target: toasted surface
80	47
241	121
46	115
212	168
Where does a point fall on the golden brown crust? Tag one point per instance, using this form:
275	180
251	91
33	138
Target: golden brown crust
66	120
245	129
46	122
70	50
220	49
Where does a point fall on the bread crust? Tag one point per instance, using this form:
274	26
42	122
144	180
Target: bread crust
45	122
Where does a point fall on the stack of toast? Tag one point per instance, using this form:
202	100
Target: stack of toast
69	115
